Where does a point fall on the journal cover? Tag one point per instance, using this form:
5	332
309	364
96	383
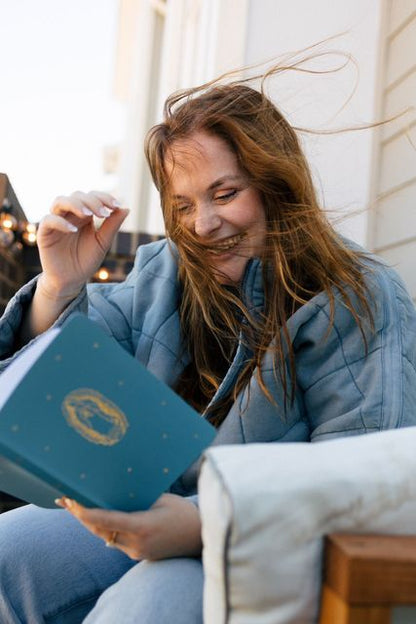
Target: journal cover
81	417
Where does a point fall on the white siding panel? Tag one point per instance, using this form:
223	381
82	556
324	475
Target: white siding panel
399	12
402	53
397	100
403	259
394	223
396	217
398	161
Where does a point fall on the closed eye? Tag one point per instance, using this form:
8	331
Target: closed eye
224	197
182	207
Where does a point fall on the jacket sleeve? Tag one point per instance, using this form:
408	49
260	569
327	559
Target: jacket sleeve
109	305
147	296
350	387
12	318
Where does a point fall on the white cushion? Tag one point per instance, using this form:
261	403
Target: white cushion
266	507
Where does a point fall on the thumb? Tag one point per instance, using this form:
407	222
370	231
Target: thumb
110	227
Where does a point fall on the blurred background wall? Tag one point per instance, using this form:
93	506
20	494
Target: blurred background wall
366	179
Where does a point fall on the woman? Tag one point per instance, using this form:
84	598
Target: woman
253	309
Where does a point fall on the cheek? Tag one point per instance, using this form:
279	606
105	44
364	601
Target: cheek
255	209
185	222
257	219
176	224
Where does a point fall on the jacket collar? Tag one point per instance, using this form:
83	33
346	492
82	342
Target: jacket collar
252	285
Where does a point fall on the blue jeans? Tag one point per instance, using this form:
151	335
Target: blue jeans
52	570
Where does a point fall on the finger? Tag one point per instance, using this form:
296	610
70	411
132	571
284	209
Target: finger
107	199
113	539
52	223
114	536
122	543
102	520
82	205
82	515
100	204
109	228
70	205
110	526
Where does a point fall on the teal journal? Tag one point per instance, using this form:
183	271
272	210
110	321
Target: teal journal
81	417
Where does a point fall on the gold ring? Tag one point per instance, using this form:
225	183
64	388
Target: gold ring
111	543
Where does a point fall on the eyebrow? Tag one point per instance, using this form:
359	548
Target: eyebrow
216	184
221	181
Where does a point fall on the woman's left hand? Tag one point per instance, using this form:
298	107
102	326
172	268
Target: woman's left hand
170	528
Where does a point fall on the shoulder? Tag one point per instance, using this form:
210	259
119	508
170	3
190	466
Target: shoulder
323	350
387	298
351	384
154	262
146	298
387	295
158	259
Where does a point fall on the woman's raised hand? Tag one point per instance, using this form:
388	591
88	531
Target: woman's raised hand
71	247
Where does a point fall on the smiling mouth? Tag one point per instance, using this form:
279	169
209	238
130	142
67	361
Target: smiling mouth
227	245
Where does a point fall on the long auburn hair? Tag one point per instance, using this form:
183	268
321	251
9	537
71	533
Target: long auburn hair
302	255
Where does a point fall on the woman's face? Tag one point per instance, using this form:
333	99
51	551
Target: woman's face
212	199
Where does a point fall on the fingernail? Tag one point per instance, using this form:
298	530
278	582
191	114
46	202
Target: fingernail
104	212
59	502
72	227
68	503
86	211
116	204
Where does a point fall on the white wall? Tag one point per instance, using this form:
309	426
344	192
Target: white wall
203	38
393	223
341	163
57	113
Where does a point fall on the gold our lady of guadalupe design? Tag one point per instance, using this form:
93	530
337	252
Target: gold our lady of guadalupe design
94	416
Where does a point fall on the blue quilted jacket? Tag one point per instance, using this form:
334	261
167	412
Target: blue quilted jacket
341	390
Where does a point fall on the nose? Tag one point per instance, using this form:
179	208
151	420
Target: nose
207	221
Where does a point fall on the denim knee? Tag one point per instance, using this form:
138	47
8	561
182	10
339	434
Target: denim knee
156	592
51	568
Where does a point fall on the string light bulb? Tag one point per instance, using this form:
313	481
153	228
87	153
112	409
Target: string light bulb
29	235
103	274
7	220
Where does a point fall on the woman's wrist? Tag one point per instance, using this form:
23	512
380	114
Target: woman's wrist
59	295
47	305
